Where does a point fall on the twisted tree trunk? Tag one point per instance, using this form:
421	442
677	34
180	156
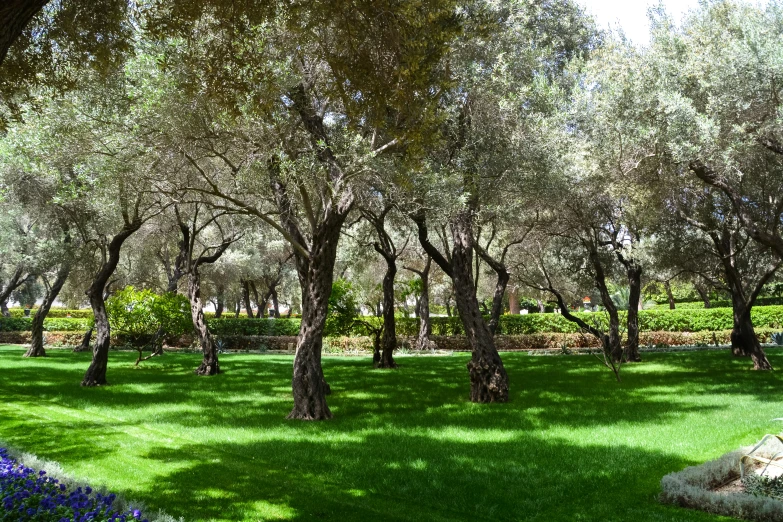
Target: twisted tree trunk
488	377
36	345
209	364
634	273
96	373
389	343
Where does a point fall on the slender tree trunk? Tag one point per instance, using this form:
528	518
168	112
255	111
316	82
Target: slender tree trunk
221	302
86	340
209	364
37	346
389	343
634	297
246	298
237	309
96	373
488	377
260	312
275	303
705	296
513	300
615	342
668	287
425	326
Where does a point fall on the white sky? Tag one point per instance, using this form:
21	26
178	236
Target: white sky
631	15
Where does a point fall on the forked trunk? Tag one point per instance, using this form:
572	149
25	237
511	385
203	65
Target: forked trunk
389	343
36	345
488	377
209	364
613	344
634	297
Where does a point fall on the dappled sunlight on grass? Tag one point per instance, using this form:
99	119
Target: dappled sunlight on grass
406	444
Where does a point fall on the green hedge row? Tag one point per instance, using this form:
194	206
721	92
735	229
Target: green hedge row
263	326
685	320
83	313
54	324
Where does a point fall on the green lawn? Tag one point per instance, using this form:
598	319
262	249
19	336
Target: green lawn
571	444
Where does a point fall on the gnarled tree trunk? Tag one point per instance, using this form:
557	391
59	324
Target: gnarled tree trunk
488	377
614	340
96	373
309	385
389	342
634	273
209	364
275	303
246	298
423	341
36	345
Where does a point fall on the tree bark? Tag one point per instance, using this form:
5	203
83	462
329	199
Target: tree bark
246	298
423	309
86	340
705	295
488	377
96	373
389	342
36	345
634	273
260	312
513	301
308	384
221	301
745	343
275	303
209	364
668	287
615	342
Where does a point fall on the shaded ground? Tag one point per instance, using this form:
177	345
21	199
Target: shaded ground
572	444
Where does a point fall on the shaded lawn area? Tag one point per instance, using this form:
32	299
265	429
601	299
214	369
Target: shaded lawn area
571	444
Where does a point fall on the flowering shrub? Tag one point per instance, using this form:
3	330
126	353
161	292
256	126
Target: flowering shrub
28	495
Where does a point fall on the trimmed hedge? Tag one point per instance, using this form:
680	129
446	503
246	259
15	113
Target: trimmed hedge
263	327
82	313
25	324
687	320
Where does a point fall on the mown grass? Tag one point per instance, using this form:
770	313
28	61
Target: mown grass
571	444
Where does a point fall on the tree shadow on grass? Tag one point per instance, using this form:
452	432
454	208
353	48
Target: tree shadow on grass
404	444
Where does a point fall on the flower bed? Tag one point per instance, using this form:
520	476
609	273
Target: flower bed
29	495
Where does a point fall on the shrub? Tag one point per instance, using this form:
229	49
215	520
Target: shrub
763	486
139	314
